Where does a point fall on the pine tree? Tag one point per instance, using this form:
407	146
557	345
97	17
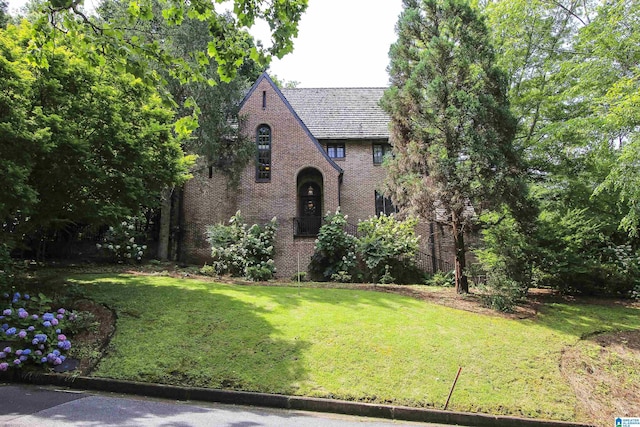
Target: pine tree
452	131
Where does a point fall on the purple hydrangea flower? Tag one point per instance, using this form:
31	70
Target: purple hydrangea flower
7	312
64	345
22	313
18	352
48	316
3	354
26	296
46	324
17	362
26	351
58	331
4	366
61	311
54	322
31	328
34	316
7	350
22	333
11	331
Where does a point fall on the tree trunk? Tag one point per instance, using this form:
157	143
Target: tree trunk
462	282
165	224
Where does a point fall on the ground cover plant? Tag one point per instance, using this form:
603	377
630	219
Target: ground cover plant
344	343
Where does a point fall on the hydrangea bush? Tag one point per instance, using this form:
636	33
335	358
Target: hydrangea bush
123	241
30	334
240	250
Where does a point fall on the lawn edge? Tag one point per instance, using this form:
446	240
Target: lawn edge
400	413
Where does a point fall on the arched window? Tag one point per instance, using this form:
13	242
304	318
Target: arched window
263	164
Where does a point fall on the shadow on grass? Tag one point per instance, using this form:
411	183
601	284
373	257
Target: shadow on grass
583	320
179	332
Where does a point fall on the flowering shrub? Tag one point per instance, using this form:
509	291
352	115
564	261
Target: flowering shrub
334	256
387	246
29	336
240	250
122	241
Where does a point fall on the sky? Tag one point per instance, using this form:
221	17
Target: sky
341	43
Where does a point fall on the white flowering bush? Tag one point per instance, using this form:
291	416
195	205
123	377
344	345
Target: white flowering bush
334	256
124	241
240	250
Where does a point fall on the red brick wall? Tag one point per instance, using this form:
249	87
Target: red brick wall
209	201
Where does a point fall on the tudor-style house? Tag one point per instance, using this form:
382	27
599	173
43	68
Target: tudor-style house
316	150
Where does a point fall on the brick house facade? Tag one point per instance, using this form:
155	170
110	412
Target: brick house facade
316	150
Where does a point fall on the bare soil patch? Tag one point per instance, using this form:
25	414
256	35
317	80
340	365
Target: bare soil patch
604	372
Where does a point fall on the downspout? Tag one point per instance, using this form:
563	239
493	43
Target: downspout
340	188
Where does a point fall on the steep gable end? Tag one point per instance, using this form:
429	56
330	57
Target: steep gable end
252	93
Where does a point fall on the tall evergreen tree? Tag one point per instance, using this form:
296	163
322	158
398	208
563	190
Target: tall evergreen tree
452	130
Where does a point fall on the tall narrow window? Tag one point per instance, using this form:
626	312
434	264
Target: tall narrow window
264	99
384	205
263	163
379	151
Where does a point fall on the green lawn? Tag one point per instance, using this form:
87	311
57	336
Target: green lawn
344	344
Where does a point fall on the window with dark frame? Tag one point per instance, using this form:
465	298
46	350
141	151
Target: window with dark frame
384	205
263	161
379	151
336	150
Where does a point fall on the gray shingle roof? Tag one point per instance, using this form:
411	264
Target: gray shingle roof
340	113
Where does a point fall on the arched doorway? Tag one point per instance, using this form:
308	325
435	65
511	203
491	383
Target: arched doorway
309	195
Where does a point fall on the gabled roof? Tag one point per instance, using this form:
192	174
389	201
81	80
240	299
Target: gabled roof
265	76
341	113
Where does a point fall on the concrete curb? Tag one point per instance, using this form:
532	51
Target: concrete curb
399	413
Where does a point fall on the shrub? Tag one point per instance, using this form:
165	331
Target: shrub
504	260
579	254
240	250
123	241
334	252
31	332
387	246
441	278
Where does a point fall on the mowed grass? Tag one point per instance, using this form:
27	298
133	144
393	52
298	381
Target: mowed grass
344	344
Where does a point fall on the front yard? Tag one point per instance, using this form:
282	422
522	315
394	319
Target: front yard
347	344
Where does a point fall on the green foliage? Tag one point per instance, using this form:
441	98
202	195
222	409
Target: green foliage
576	255
6	268
506	260
123	242
334	251
218	137
240	250
4	14
135	53
387	246
573	72
385	249
450	120
96	145
31	333
440	278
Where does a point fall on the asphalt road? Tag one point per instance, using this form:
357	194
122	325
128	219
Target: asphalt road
33	406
